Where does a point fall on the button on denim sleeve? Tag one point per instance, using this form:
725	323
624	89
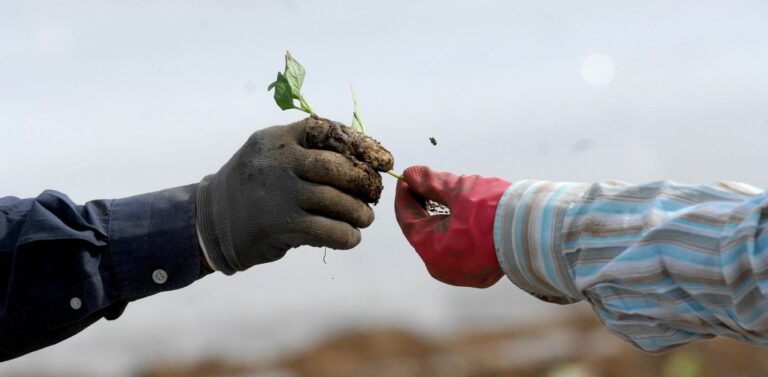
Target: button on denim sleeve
64	266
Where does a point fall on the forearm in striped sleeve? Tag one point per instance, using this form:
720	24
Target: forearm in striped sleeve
662	264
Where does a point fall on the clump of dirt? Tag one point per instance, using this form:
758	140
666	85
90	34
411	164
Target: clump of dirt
365	153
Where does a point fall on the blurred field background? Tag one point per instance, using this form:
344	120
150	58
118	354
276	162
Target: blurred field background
573	347
569	347
106	99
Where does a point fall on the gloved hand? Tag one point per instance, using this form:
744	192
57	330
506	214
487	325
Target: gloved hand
275	194
457	248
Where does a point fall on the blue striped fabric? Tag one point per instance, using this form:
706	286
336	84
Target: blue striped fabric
662	264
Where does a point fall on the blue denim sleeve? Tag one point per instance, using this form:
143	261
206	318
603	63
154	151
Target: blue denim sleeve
64	266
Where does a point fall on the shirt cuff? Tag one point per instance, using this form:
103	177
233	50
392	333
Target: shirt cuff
153	242
527	235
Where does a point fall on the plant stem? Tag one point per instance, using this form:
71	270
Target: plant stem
398	176
305	106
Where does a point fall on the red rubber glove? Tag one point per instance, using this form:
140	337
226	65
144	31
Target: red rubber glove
457	248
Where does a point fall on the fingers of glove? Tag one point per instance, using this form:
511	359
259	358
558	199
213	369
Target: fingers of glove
329	202
274	136
324	134
333	169
324	232
409	207
296	131
418	226
432	185
434	247
430	236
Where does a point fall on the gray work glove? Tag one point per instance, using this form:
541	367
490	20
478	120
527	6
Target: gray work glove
275	194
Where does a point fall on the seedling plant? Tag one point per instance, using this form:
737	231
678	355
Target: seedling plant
288	96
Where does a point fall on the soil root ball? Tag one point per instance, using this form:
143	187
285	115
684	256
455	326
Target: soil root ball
366	153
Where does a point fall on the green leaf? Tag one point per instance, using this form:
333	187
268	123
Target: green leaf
283	94
295	73
357	122
288	86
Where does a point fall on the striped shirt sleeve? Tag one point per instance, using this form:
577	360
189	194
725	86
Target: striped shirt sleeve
662	264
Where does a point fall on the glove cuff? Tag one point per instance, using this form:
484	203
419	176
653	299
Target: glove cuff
213	244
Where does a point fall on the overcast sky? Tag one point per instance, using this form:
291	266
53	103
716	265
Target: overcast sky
102	99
